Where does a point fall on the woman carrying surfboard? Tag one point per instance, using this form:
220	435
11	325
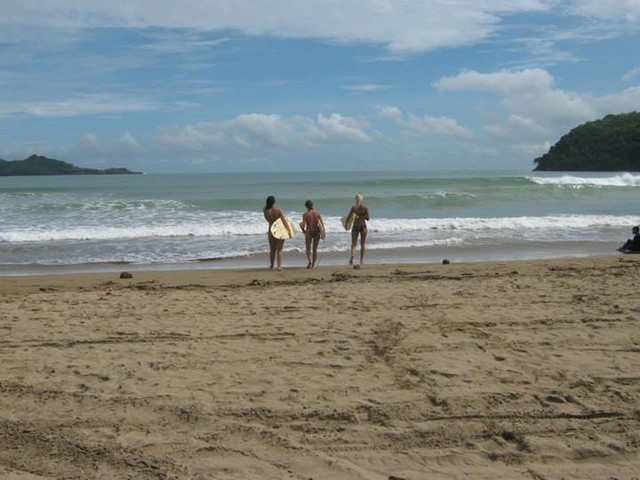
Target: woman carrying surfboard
271	215
357	217
312	226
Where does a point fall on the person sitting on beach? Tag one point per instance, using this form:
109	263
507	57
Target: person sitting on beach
360	216
271	214
312	226
633	244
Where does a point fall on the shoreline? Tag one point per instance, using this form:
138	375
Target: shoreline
506	370
296	258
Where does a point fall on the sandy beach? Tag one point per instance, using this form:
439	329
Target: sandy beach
504	370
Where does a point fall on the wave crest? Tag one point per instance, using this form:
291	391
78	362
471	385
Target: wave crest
621	180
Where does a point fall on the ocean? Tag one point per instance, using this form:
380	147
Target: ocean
62	224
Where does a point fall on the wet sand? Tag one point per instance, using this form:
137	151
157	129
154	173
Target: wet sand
502	370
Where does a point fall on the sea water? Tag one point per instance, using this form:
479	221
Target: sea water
52	224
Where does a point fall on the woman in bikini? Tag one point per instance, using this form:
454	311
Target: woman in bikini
312	226
359	228
271	214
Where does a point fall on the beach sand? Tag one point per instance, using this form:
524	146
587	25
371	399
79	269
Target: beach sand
506	370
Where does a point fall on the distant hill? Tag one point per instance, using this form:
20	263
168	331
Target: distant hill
607	145
39	165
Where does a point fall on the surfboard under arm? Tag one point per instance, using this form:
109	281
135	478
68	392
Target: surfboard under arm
279	230
347	220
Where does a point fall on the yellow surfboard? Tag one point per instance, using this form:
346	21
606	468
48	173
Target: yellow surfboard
279	231
323	232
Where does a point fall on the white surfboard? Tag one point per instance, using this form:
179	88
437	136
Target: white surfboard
347	221
279	231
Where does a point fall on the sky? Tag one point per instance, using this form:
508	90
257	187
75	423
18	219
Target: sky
315	85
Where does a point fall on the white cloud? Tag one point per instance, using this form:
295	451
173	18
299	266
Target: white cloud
408	26
625	101
340	129
199	137
127	141
255	130
631	74
516	128
535	106
393	113
90	142
365	87
80	105
428	125
268	130
36	36
552	107
168	42
539	52
504	82
625	10
527	94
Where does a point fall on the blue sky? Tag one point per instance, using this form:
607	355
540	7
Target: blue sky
290	85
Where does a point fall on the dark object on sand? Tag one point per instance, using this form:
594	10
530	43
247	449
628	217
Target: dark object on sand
446	261
633	244
126	275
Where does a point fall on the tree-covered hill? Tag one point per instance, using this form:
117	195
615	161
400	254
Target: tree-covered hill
609	144
39	165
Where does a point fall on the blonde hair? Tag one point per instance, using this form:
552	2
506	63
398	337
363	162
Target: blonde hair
359	199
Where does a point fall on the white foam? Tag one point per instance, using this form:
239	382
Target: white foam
622	180
502	223
226	227
129	232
